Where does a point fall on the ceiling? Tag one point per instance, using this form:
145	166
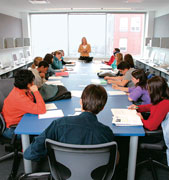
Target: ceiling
19	6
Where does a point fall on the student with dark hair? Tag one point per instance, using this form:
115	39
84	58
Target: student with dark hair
115	51
139	91
40	72
49	59
84	129
129	59
159	107
125	80
24	98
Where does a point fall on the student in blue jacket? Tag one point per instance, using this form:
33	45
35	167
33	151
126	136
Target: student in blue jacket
84	129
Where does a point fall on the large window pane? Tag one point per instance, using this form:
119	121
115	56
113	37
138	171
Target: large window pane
90	26
49	33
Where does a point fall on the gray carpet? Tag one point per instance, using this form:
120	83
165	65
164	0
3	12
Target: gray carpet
141	174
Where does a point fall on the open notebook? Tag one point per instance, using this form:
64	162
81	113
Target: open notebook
126	117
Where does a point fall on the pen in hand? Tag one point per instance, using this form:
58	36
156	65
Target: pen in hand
132	107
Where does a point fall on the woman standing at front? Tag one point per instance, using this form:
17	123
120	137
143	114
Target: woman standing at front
84	50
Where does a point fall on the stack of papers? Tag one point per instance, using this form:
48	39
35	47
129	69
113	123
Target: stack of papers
99	81
54	83
51	114
50	106
55	77
76	93
126	117
113	93
62	74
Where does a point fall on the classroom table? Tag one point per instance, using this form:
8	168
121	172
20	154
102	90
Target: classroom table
31	125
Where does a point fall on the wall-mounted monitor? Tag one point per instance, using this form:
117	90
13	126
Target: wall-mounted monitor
165	42
2	43
155	42
26	41
9	43
148	41
19	42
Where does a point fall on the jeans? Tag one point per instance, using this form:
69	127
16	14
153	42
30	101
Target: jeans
9	132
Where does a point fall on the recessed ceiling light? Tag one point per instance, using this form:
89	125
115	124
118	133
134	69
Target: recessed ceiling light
39	1
133	1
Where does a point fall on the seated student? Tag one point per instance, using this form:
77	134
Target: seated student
117	61
129	59
124	80
84	129
36	62
64	62
49	59
39	73
139	92
116	50
24	98
57	61
159	107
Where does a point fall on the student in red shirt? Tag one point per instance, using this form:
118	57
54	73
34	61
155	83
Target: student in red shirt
24	98
115	51
159	107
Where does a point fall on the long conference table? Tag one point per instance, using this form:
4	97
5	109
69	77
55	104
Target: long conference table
30	124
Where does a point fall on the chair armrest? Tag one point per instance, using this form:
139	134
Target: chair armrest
157	132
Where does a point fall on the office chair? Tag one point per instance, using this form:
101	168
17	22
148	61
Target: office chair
74	162
150	148
13	145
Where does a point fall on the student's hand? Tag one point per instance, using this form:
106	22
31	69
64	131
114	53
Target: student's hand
106	77
139	114
42	75
65	69
109	81
133	106
115	86
33	88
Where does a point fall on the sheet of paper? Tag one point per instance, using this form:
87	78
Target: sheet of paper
55	77
82	85
51	114
50	106
76	93
112	93
78	109
99	81
54	83
126	117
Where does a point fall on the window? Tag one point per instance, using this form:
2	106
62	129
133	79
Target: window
135	24
123	24
123	44
49	33
103	31
89	26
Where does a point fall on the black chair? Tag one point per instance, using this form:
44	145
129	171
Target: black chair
147	149
81	162
10	145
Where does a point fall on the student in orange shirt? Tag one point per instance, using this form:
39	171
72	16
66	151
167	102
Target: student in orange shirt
24	98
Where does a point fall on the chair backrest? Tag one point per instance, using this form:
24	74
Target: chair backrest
6	85
74	162
165	127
